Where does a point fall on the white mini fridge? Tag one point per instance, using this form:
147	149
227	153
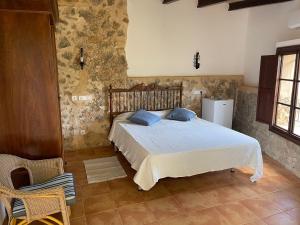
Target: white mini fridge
218	111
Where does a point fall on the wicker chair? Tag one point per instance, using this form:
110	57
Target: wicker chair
39	201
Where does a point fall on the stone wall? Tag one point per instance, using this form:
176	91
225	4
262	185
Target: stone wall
279	148
100	28
211	86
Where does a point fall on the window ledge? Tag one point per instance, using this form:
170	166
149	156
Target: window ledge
284	134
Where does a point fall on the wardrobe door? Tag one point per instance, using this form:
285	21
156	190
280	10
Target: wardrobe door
29	104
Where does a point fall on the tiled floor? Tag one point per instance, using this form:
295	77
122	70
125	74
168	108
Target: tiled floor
219	198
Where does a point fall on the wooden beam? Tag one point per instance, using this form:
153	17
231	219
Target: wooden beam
203	3
252	3
169	1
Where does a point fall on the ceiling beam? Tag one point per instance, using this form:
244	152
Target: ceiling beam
203	3
252	3
168	1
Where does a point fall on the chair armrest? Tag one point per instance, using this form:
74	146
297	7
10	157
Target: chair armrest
43	170
40	203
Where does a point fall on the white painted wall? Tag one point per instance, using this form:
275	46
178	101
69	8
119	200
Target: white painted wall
162	39
266	26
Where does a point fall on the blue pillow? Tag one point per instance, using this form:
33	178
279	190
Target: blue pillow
143	117
181	114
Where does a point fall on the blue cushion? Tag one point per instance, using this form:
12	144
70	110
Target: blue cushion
65	180
181	114
145	118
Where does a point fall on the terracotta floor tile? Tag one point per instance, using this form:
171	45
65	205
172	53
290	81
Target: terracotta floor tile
280	219
263	186
98	203
257	222
236	213
110	217
275	198
75	167
77	210
271	170
177	220
204	181
158	191
122	184
126	197
155	223
285	200
164	208
78	221
245	189
90	190
175	185
295	191
86	154
220	196
261	207
190	200
80	178
209	216
210	198
294	214
136	214
70	156
104	152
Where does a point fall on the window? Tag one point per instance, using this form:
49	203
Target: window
286	110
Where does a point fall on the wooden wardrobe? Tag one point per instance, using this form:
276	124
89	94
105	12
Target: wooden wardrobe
30	124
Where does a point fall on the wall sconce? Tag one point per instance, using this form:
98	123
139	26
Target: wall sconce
82	63
197	60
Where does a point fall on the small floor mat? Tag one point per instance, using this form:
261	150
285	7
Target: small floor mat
103	169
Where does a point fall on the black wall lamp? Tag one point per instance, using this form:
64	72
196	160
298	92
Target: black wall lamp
197	60
82	63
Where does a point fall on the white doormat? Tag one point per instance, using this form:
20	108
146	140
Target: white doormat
103	169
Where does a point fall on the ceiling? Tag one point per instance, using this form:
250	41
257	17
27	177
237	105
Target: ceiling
233	4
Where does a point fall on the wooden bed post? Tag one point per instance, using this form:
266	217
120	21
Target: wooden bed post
181	90
110	105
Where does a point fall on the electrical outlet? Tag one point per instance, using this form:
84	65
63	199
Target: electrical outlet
85	98
74	98
198	92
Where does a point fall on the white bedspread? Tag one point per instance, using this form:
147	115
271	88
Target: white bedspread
177	149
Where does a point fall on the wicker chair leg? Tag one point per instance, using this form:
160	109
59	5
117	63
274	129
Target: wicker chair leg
54	220
45	222
65	217
23	222
13	221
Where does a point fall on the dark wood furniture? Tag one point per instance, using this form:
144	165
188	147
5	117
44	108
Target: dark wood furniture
149	97
30	125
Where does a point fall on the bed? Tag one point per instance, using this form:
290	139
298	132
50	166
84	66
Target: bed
173	148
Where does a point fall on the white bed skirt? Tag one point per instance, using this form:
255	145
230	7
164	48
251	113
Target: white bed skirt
208	147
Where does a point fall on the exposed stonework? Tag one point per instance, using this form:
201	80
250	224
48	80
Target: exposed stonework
279	148
212	86
100	27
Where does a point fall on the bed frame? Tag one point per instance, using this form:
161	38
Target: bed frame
149	97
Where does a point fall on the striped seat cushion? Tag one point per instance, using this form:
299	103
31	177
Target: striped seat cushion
65	180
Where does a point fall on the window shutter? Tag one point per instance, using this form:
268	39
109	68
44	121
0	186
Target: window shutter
266	88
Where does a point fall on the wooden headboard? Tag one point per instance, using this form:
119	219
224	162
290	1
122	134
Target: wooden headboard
149	97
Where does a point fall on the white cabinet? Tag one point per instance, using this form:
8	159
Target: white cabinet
218	111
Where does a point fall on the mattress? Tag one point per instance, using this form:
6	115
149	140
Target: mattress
178	149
